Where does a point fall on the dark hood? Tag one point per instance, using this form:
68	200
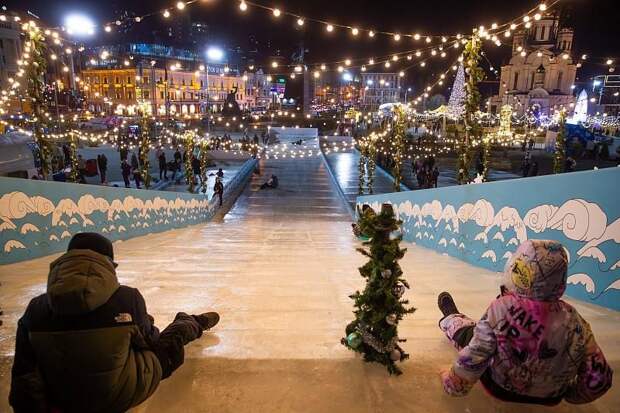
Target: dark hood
80	281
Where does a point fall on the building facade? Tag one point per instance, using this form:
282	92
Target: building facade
541	72
160	91
606	89
10	49
379	88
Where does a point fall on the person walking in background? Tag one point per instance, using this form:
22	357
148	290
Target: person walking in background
526	167
66	154
529	346
81	169
178	158
220	174
534	170
196	169
435	176
88	343
163	167
134	161
102	163
126	171
218	190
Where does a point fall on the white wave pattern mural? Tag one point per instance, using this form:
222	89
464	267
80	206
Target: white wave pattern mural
25	219
582	226
583	279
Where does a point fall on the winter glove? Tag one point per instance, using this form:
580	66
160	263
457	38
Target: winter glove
453	384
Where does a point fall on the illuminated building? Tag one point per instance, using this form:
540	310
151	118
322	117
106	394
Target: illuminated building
379	88
163	91
541	71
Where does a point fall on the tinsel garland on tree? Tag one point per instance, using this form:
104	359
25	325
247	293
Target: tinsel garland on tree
188	141
372	164
73	148
486	157
35	73
380	306
145	146
398	143
473	130
204	163
559	158
361	173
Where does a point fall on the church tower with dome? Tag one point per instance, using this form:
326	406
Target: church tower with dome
541	71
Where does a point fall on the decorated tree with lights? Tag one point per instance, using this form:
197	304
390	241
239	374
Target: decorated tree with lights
361	169
204	163
372	163
559	159
380	306
189	142
456	103
73	148
473	130
35	75
145	146
399	128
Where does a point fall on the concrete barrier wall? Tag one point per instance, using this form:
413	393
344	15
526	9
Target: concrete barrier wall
38	218
483	224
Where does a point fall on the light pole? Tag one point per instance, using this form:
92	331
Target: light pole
214	54
77	25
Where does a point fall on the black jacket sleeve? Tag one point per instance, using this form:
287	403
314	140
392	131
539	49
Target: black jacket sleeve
28	393
145	323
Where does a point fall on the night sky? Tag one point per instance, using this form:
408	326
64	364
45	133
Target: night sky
595	22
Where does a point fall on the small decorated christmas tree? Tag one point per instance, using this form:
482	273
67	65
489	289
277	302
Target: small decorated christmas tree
380	306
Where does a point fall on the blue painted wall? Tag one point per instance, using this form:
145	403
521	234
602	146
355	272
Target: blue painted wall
38	218
483	224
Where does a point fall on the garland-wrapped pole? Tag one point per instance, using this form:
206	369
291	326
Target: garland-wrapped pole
204	163
35	79
473	131
189	149
486	157
559	158
361	167
145	147
73	147
398	141
372	162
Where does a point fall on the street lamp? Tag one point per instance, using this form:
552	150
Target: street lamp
214	54
78	25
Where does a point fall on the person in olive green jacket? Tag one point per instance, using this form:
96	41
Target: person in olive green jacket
88	344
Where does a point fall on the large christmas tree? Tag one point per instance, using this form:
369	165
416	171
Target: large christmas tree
380	306
456	104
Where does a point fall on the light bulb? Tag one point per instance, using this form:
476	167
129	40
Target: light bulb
300	22
330	28
180	5
243	6
277	12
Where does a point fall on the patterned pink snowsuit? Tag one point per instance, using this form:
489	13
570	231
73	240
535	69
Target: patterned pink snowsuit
529	346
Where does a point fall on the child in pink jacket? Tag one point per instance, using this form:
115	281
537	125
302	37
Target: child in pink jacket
529	346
